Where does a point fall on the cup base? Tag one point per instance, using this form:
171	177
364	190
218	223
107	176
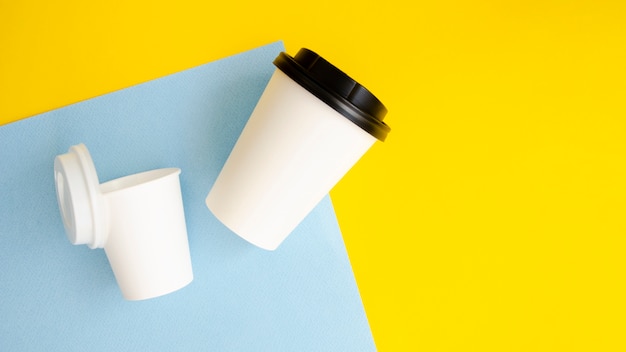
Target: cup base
259	241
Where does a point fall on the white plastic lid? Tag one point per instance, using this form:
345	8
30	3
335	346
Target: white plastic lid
79	197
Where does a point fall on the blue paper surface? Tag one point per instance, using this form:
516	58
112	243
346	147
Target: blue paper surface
59	297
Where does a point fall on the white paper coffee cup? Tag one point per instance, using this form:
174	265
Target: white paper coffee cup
138	220
310	126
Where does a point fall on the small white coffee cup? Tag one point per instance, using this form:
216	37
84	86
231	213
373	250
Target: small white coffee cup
138	219
310	126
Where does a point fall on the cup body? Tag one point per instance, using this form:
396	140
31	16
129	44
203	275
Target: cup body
147	243
291	152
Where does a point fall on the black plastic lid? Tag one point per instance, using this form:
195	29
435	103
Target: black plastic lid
336	89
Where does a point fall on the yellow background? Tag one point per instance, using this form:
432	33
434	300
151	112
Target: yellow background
493	217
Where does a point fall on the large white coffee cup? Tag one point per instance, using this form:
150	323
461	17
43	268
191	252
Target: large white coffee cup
137	219
310	126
